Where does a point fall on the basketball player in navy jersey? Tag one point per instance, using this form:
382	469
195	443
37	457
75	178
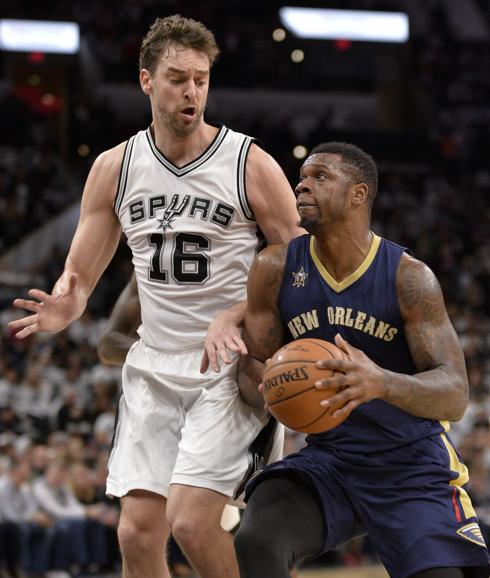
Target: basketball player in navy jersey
390	469
188	195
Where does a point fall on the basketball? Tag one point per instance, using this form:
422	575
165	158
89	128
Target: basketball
289	386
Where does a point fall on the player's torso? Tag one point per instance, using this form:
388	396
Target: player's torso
191	232
364	310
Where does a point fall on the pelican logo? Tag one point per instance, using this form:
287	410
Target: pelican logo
472	533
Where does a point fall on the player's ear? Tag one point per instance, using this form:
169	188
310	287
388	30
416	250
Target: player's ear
145	81
360	193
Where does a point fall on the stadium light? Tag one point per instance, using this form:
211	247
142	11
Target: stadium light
39	36
363	25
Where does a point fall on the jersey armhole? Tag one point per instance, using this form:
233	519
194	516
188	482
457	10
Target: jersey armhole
123	175
241	185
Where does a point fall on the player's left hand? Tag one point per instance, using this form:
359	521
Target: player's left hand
361	379
223	337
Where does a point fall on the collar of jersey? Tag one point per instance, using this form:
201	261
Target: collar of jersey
353	277
197	162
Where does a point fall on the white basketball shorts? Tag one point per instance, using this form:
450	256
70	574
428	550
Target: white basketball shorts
177	426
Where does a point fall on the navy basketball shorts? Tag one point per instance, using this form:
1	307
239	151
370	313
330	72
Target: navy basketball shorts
411	500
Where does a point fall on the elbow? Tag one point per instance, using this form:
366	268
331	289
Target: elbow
456	415
459	411
461	401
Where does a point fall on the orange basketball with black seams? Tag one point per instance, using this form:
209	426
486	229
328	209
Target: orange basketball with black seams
289	386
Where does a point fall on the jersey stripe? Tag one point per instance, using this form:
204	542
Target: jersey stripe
353	277
186	169
123	175
241	185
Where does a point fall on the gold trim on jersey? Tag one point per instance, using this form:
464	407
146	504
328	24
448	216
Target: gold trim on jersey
463	477
446	425
353	277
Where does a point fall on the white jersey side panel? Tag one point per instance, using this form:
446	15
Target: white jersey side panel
191	232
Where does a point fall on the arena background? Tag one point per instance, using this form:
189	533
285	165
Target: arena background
421	108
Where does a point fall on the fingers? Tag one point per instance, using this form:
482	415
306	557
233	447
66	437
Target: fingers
335	364
40	295
204	362
214	351
211	354
33	306
346	409
32	328
23	322
345	346
232	343
346	400
334	382
237	345
223	353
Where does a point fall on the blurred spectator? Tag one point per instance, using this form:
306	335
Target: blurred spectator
26	534
80	539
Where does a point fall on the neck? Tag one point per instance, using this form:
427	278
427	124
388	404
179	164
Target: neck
342	252
183	149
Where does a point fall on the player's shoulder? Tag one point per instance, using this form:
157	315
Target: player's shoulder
104	175
260	159
416	282
111	159
410	267
273	257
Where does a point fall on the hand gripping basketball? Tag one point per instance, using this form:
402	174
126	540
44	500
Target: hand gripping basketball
289	386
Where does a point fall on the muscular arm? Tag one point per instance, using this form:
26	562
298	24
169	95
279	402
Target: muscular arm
440	389
120	331
271	198
98	230
262	326
92	248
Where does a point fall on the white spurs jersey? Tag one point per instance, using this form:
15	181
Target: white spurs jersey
192	234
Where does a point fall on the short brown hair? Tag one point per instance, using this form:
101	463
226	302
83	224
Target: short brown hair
176	30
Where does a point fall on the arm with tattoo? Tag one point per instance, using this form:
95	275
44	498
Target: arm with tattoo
439	389
262	326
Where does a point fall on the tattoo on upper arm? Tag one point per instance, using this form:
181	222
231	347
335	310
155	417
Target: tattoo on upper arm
419	291
426	323
266	323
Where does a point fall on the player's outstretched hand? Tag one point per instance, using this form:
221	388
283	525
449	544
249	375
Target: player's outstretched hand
223	337
51	313
361	379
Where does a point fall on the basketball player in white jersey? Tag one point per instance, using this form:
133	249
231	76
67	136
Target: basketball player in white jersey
188	196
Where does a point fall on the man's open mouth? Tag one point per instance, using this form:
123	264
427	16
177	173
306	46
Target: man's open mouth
189	111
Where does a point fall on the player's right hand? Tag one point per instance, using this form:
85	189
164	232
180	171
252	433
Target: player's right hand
51	313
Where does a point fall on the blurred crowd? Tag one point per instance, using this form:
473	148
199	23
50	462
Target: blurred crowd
57	402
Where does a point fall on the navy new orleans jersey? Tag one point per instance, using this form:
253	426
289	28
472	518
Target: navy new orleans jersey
396	476
364	310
